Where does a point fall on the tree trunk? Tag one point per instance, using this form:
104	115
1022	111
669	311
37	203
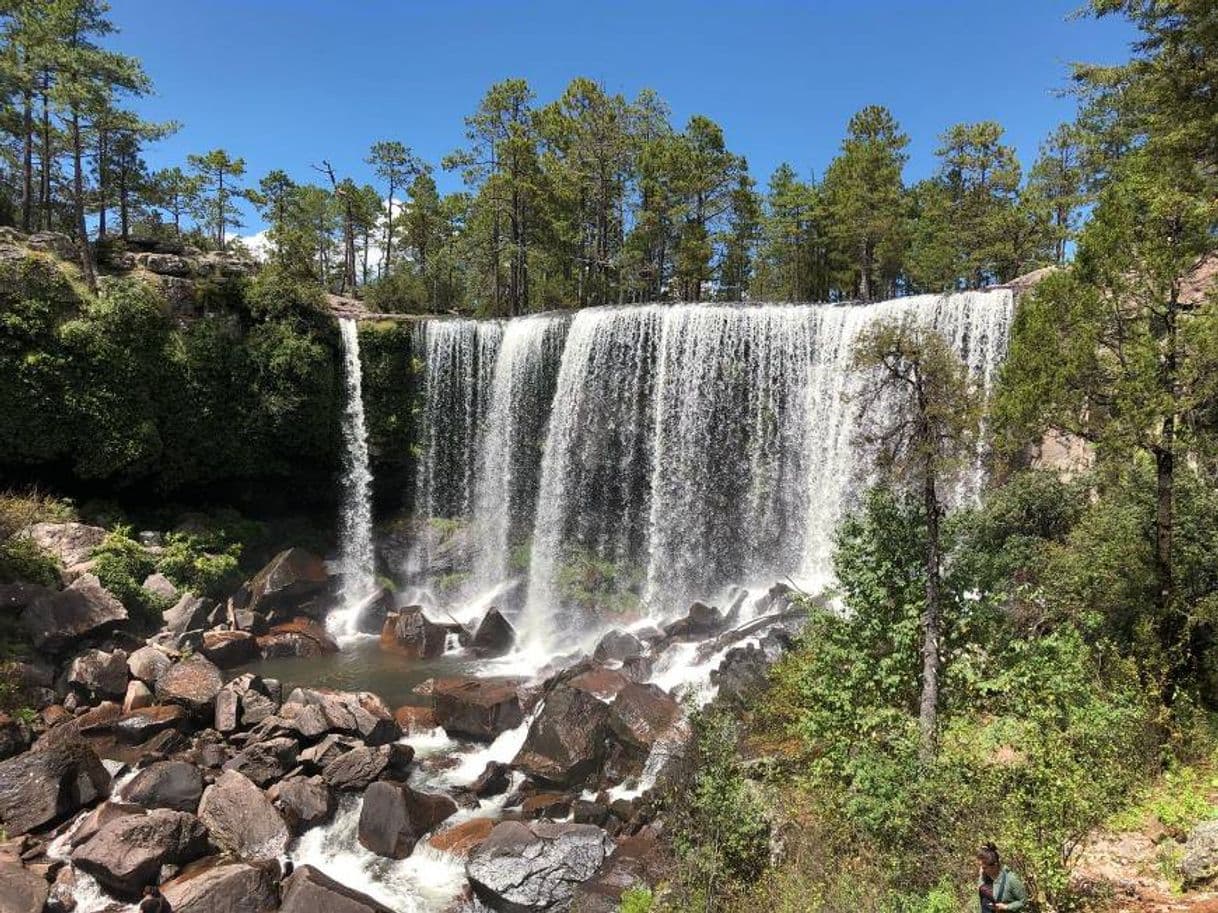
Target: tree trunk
932	623
124	195
101	184
78	189
220	211
387	257
1172	626
27	160
45	177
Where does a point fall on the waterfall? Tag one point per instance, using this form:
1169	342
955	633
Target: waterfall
505	494
654	454
356	557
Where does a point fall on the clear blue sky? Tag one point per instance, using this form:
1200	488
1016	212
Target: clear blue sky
284	83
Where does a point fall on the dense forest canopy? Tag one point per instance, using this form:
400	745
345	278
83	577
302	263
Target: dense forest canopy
589	198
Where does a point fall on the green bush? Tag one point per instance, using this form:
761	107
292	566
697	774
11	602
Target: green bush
122	565
186	562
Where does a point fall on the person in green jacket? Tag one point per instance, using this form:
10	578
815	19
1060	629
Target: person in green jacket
998	887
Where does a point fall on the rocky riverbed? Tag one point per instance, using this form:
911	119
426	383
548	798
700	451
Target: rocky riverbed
206	756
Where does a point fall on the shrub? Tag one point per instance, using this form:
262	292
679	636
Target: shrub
186	562
122	565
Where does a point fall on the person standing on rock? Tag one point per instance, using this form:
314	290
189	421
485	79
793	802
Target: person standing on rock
154	901
998	887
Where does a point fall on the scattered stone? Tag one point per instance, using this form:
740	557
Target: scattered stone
138	725
241	819
359	767
309	891
138	696
42	787
68	543
229	648
301	637
99	673
481	708
546	805
313	711
494	780
495	635
286	584
128	853
161	586
86	608
148	664
188	614
412	719
21	891
316	757
166	784
304	802
523	867
265	762
566	741
617	645
642	714
1200	862
461	839
213	885
394	817
413	635
193	683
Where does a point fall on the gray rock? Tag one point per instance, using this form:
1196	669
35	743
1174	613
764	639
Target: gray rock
138	696
160	585
525	867
177	785
567	740
617	645
101	674
21	891
304	802
394	817
128	853
44	786
190	613
642	714
241	819
55	620
139	725
148	664
1200	862
68	543
289	581
359	767
309	891
193	683
495	635
314	711
213	885
267	761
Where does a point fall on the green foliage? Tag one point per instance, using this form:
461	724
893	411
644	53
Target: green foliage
588	581
186	562
122	565
637	899
21	558
722	829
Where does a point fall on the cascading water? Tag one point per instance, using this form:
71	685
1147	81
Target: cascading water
356	556
660	452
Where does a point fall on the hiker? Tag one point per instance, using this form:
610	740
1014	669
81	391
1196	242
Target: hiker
999	888
154	901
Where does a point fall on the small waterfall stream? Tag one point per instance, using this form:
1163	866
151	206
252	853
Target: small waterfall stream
356	557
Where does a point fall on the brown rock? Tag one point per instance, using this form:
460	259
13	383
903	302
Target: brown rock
21	891
192	683
412	719
412	634
480	708
394	817
128	853
44	786
242	819
229	648
289	580
299	637
461	839
566	742
214	885
55	620
309	891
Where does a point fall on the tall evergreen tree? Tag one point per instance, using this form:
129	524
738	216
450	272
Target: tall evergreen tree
219	175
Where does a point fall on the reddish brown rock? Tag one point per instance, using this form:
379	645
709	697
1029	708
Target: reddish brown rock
461	839
480	708
412	634
298	637
415	719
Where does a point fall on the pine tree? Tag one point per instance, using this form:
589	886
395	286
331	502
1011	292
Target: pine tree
219	176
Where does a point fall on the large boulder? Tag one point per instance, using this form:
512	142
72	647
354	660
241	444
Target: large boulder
99	673
566	742
68	543
309	891
361	766
21	891
617	645
86	608
245	701
701	621
15	735
161	587
300	637
242	819
287	584
413	635
189	613
461	839
527	867
44	786
642	714
304	802
315	711
140	725
127	854
394	817
215	885
480	708
633	862
193	683
229	648
1200	862
177	785
495	635
147	664
266	761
